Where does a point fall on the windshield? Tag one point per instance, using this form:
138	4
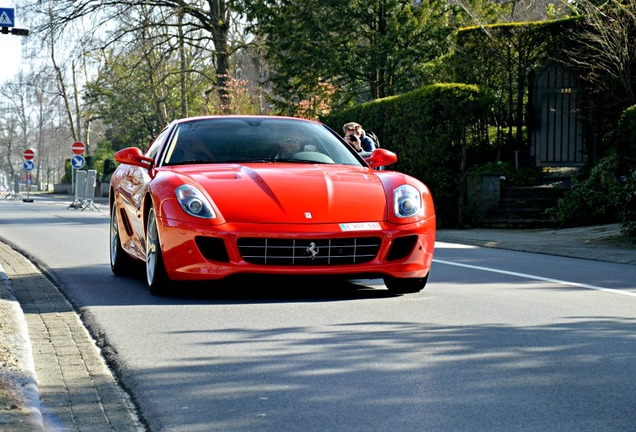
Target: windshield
256	139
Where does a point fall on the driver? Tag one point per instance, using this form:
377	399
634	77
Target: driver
288	146
289	143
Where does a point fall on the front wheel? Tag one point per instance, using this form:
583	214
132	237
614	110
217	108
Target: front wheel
405	285
156	275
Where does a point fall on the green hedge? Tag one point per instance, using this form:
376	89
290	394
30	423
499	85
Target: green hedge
625	141
438	133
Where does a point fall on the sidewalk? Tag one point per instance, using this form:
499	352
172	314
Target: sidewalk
52	376
599	243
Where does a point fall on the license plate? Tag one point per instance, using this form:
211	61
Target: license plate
360	226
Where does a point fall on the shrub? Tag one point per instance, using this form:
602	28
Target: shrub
592	200
625	141
628	206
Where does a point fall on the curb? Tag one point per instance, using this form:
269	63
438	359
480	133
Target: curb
17	375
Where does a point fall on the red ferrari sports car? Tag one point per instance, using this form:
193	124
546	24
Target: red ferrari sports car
221	196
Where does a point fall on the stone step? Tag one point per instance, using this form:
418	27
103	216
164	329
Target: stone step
537	192
523	207
527	203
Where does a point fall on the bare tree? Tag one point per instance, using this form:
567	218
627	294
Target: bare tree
17	126
32	117
602	46
212	17
51	150
8	140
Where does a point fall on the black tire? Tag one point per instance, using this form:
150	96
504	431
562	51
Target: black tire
405	285
121	264
156	275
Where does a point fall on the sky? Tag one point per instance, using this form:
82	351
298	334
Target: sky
10	48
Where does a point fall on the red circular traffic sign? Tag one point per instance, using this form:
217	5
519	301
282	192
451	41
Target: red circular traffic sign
28	154
78	148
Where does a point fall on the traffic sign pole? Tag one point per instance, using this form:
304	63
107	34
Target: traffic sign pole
77	161
28	166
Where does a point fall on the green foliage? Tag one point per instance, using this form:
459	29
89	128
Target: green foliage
123	100
594	199
625	144
68	169
366	49
625	141
627	202
437	131
103	160
138	100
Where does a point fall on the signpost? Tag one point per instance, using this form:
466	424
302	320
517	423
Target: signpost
78	148
77	162
28	166
28	154
7	17
7	20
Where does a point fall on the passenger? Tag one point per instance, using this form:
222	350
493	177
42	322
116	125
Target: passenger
355	136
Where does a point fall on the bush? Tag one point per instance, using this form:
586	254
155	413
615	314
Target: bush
592	200
625	144
628	206
625	141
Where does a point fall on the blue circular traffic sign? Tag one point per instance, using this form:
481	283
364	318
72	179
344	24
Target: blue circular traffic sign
78	161
28	165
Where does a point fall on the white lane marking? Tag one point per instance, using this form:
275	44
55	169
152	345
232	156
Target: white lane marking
539	278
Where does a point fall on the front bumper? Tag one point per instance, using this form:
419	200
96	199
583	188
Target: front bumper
201	252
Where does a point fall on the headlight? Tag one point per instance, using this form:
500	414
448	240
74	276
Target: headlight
407	201
193	202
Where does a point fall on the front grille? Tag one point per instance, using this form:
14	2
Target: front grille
308	252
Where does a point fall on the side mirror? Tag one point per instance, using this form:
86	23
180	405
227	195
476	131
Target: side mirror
381	157
133	156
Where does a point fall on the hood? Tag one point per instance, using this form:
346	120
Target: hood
292	193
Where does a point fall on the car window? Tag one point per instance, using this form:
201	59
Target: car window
157	144
256	139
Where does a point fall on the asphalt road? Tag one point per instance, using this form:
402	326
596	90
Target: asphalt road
498	341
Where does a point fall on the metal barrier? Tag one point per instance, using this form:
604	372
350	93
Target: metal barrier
16	189
85	183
